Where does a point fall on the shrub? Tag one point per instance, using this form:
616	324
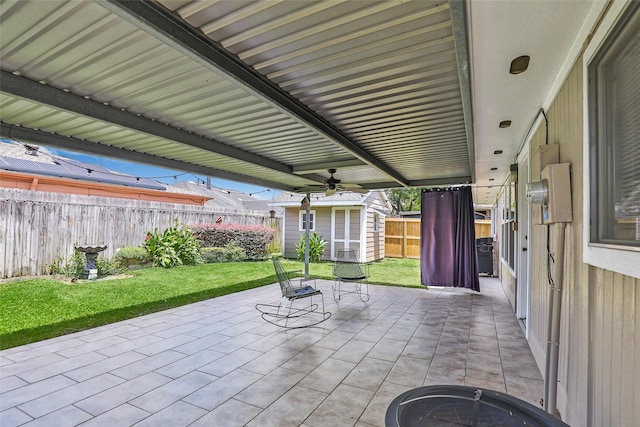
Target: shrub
70	267
316	247
139	253
74	266
173	247
109	267
254	239
133	257
230	253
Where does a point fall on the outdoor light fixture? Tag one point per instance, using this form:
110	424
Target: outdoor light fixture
519	65
513	172
505	124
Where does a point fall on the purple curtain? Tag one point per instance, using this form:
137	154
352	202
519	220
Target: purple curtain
448	239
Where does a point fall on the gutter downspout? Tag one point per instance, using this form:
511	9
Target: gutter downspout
553	331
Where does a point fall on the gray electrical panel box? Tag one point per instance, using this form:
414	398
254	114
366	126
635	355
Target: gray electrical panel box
558	205
541	157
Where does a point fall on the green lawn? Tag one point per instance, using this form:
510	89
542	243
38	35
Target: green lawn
33	310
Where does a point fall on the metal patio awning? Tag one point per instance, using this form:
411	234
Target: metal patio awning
271	93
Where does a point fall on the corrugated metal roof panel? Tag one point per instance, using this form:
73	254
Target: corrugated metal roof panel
118	64
125	138
381	76
364	66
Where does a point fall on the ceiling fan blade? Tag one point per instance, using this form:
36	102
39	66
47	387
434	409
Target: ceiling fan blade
359	190
310	189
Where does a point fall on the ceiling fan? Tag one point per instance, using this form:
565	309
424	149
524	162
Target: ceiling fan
333	185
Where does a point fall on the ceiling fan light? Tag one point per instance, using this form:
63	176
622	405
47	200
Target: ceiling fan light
330	191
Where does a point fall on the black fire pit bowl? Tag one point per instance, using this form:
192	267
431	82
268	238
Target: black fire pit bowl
462	406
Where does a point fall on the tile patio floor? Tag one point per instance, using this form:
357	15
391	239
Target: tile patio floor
217	363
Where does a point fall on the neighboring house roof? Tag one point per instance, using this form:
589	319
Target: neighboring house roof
27	159
28	168
343	198
222	198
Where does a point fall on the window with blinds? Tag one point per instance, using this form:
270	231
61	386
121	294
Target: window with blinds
614	117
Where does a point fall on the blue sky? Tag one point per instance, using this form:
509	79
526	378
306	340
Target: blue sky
160	174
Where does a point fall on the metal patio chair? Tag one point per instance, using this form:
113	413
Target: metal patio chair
301	316
349	270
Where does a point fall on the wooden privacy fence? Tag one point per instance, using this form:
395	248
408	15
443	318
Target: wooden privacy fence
38	228
402	236
483	228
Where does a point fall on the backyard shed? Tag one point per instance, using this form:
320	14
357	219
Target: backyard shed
345	220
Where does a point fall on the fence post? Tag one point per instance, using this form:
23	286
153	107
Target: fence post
404	239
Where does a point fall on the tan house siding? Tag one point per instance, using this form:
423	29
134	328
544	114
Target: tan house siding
508	282
375	240
565	129
615	350
599	365
323	228
292	232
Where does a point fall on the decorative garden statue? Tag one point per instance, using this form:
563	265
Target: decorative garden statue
91	254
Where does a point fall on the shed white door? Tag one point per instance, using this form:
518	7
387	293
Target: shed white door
346	230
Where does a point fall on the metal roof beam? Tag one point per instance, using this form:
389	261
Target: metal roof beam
323	167
170	29
456	180
73	144
48	95
460	37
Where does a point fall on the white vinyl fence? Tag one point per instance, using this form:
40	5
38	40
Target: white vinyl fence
38	228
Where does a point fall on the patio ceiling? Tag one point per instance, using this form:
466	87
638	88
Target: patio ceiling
271	93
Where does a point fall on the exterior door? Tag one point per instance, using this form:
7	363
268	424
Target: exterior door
522	287
346	230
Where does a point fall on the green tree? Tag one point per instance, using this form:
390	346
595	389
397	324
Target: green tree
404	199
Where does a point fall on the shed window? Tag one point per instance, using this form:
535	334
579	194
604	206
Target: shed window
302	219
614	119
376	222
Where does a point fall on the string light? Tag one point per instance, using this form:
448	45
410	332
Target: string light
59	160
108	172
